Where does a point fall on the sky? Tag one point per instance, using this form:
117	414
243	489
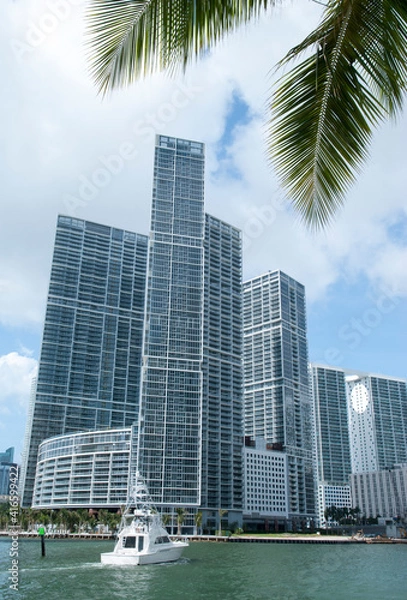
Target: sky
66	150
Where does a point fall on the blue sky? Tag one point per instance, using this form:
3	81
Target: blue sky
65	150
359	327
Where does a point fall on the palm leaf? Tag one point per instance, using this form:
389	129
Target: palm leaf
129	38
325	108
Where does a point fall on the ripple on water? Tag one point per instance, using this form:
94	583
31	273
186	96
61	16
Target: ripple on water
72	570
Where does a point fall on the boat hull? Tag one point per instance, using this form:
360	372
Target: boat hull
162	555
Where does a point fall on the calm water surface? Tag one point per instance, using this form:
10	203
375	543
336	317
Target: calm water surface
210	571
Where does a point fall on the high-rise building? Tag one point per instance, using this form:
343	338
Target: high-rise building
90	361
170	366
332	448
222	414
377	409
7	456
7	465
277	400
27	436
190	436
381	493
169	447
89	469
265	478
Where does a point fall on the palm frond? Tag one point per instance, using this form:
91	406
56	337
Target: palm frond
130	38
325	108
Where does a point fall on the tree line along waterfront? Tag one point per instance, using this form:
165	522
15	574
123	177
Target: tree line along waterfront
80	520
348	516
59	521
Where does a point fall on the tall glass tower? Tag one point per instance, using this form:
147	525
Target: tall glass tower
147	332
6	466
332	445
332	429
277	400
377	409
90	362
189	443
222	428
170	436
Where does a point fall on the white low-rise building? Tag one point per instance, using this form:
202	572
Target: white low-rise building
265	475
89	469
332	495
381	493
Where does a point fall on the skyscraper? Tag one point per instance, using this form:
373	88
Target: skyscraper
377	409
277	401
7	465
190	435
90	361
148	332
332	447
381	493
222	429
169	448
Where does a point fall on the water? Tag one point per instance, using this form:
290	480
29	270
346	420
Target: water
212	571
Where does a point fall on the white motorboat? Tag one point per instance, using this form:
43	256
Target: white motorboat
142	538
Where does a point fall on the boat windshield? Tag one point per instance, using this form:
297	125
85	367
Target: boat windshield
163	539
131	542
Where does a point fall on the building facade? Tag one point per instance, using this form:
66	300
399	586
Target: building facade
377	412
90	360
266	490
222	430
26	445
332	446
7	466
277	399
190	431
147	332
381	493
87	470
171	402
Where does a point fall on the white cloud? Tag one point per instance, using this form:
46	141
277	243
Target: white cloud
58	134
16	374
389	269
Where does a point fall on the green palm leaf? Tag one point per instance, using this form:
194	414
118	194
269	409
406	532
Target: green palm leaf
325	108
129	38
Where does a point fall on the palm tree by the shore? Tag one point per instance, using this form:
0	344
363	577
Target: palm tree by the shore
221	513
198	522
181	514
166	519
324	111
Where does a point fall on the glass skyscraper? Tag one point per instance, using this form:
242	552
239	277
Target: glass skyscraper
190	434
377	409
332	445
332	430
6	467
277	400
147	332
222	415
169	448
90	362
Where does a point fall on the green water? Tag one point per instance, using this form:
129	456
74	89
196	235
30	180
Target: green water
210	571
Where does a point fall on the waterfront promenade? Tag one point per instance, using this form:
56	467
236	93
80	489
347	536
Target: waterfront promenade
242	538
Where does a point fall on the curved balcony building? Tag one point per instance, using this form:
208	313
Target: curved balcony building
87	470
